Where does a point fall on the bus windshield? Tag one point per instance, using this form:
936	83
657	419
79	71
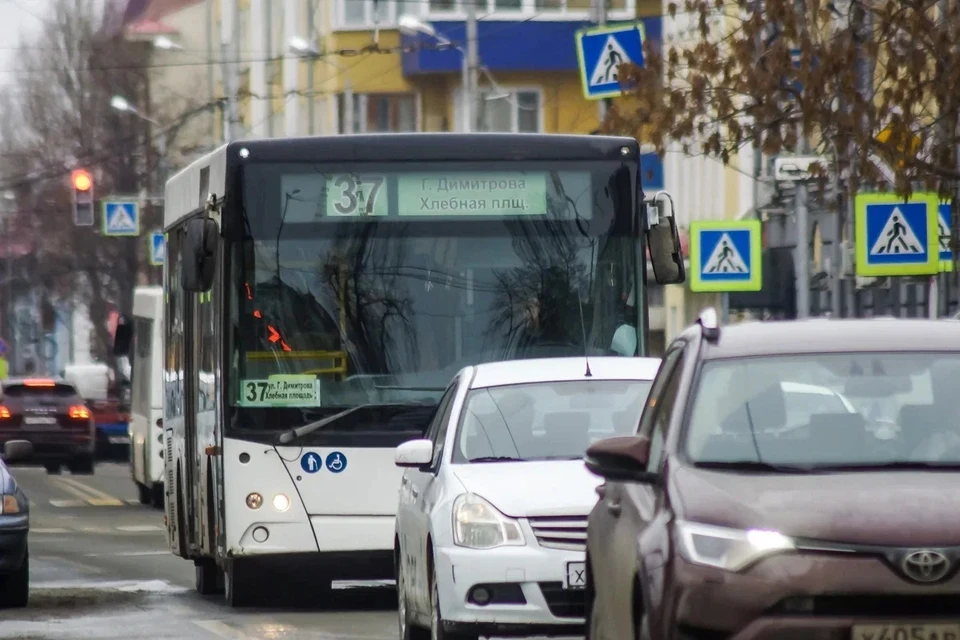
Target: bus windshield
360	284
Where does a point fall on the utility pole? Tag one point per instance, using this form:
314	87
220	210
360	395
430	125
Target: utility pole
230	64
599	8
801	211
348	125
471	64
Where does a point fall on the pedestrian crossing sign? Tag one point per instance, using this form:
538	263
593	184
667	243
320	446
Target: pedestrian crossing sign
121	217
158	248
944	231
896	237
725	256
601	51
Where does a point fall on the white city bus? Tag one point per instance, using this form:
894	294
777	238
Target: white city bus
146	394
320	293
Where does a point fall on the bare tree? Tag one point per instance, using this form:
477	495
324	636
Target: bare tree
761	71
57	117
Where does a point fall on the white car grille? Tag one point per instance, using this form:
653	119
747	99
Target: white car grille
560	532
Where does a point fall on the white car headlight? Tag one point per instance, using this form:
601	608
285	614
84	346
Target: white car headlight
478	525
728	549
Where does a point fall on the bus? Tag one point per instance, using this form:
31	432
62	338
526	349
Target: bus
321	292
146	394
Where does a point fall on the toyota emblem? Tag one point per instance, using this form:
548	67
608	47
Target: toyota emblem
925	565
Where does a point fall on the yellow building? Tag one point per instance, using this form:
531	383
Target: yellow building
305	61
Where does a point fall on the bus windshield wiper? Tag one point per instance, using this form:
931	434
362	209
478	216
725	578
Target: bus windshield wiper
293	434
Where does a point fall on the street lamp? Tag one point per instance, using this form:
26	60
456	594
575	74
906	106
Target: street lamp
165	43
302	48
412	25
119	103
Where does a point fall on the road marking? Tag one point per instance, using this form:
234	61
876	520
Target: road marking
68	503
92	502
94	496
95	530
72	490
130	554
134	528
50	530
222	630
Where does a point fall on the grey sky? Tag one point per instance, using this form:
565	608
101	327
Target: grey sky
17	18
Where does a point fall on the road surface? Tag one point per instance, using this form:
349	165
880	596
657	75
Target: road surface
100	569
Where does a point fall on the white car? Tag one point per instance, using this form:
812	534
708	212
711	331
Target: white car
492	520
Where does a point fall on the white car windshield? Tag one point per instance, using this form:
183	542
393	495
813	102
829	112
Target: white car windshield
548	420
834	410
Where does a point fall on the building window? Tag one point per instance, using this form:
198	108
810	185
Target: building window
579	8
379	113
516	111
361	13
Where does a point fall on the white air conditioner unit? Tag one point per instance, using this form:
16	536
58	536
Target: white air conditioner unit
796	168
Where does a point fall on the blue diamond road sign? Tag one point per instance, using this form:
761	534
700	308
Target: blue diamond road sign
158	248
943	224
897	238
121	218
601	51
726	255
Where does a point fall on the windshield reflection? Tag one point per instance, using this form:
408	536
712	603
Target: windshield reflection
381	310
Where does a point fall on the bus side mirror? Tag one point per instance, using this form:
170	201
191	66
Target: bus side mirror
663	241
200	255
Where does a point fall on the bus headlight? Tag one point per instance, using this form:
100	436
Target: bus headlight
281	502
254	500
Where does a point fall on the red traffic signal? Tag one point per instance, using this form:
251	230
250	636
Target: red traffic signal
81	180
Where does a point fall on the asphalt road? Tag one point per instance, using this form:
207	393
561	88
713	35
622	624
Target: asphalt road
100	569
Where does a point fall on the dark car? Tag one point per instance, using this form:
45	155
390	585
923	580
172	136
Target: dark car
722	519
14	527
52	416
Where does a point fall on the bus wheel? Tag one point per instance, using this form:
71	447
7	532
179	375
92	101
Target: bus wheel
238	588
144	493
207	576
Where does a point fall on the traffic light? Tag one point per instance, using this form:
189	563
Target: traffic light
82	182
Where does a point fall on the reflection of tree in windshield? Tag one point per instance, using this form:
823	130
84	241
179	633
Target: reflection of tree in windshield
535	303
363	277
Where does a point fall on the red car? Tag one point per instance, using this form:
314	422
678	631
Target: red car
51	415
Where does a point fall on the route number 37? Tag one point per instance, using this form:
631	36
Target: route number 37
255	391
352	195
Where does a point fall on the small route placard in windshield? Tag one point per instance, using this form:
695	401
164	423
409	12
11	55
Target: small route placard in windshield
281	391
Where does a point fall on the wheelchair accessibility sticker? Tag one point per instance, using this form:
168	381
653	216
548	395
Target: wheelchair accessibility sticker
336	462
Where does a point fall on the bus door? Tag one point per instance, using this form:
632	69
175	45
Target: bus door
191	454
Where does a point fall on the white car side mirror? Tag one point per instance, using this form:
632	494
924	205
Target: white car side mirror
415	453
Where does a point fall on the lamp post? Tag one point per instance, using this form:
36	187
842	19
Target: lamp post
411	25
120	103
308	52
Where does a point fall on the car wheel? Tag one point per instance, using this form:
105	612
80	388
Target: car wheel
53	468
408	630
156	496
238	590
437	632
144	494
207	577
15	588
81	466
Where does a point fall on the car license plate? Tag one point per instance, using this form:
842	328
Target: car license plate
42	422
118	439
576	577
906	632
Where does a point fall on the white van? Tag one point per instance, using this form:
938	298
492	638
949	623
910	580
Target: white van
146	396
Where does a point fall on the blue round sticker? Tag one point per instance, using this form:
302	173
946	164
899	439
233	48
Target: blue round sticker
311	462
336	462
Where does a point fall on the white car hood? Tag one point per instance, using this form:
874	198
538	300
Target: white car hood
523	489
